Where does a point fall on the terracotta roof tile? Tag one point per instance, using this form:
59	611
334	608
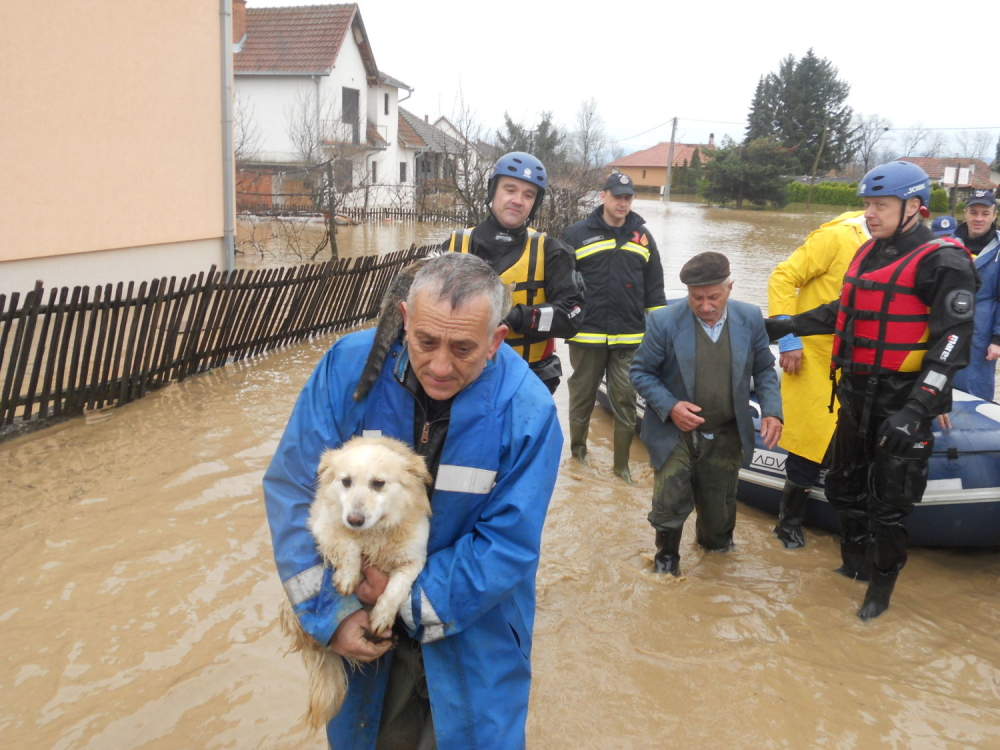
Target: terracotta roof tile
657	155
407	135
934	167
304	39
432	139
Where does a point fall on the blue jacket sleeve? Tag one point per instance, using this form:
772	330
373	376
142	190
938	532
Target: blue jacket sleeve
323	418
464	581
765	379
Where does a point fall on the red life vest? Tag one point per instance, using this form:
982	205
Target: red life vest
882	326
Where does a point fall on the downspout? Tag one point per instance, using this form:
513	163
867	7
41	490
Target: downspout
319	121
228	164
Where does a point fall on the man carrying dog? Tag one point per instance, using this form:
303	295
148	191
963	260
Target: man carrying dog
620	264
488	430
694	368
547	298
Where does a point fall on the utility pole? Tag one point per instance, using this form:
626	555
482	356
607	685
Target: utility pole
670	161
953	198
812	177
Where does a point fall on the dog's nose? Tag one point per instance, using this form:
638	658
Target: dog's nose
357	520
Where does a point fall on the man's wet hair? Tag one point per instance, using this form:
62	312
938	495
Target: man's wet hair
459	278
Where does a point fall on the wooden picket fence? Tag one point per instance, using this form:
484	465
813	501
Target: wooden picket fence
71	350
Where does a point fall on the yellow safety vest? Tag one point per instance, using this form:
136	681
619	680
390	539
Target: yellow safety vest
526	279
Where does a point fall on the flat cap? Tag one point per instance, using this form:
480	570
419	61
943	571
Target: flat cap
705	269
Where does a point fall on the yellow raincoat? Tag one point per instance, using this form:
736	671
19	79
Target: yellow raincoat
809	277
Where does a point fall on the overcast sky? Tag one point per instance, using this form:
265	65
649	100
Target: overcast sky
646	62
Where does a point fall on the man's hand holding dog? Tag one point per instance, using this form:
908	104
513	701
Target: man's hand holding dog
351	638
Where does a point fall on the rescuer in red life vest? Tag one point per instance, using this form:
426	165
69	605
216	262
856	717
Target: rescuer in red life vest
903	328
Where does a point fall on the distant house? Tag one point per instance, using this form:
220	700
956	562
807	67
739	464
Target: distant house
434	152
648	168
309	92
113	155
977	177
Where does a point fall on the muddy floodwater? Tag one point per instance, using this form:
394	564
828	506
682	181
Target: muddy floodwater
138	600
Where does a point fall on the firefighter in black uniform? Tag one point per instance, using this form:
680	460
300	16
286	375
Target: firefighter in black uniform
620	264
903	328
547	293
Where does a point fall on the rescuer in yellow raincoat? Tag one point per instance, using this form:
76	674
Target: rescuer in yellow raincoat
809	277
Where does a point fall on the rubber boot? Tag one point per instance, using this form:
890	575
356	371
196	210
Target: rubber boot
623	444
580	454
668	556
877	596
791	515
856	548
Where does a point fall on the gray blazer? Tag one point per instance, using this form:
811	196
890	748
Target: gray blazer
663	373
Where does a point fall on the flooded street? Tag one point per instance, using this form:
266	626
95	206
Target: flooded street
138	601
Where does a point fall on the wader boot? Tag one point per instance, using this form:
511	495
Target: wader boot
578	430
877	595
791	515
668	555
623	444
856	549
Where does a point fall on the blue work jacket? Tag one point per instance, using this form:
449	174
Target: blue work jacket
980	376
473	605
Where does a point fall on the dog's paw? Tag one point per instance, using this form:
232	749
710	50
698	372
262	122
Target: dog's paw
381	618
345	581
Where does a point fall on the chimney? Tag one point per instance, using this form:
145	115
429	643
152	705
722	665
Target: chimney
239	20
427	119
711	140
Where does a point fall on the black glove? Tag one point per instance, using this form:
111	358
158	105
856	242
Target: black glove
778	327
515	318
900	434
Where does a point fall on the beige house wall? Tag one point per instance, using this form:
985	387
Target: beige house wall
646	176
110	140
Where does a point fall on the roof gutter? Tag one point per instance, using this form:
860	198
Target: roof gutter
228	160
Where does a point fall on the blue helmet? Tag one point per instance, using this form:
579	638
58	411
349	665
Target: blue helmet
520	166
902	179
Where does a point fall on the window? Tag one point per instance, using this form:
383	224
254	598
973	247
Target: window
402	172
350	112
374	173
387	104
644	174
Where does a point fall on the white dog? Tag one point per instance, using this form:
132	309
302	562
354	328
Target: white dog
371	507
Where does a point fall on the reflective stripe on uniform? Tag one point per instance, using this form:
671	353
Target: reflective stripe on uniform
594	247
632	247
433	627
589	338
657	307
545	316
625	339
469	479
371	433
305	585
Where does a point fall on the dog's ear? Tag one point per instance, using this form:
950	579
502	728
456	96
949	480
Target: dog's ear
417	468
328	466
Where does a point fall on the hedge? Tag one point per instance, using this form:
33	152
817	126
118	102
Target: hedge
843	194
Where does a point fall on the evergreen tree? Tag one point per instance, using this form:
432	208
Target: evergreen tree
996	159
751	171
797	104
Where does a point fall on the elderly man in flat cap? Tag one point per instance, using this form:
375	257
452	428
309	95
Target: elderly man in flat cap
694	368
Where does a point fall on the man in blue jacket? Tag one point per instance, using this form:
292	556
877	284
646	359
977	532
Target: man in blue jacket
979	233
488	429
694	368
